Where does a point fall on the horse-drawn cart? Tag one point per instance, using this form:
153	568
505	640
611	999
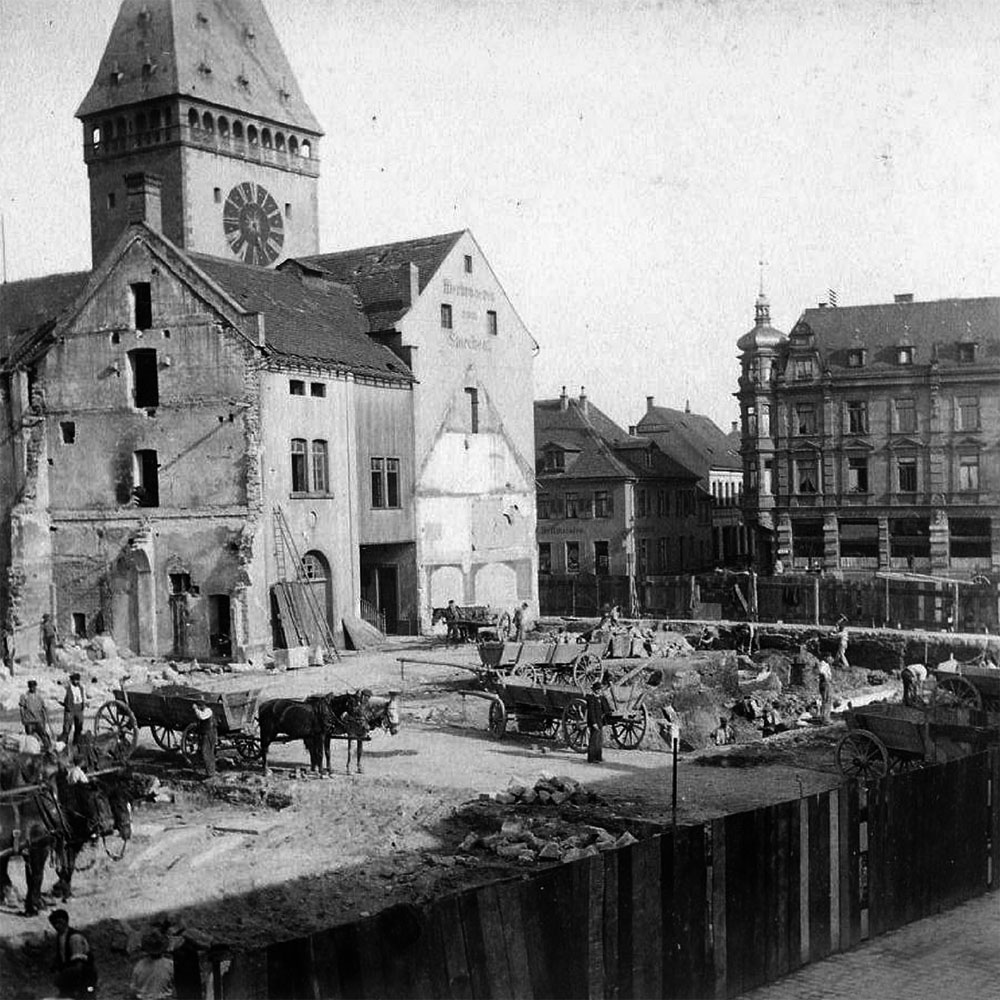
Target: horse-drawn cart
546	662
884	739
973	684
168	711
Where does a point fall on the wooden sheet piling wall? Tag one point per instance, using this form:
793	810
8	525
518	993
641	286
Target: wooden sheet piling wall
704	911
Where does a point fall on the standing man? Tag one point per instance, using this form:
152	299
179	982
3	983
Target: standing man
597	708
522	621
451	620
842	641
208	731
49	635
34	714
73	706
825	690
76	974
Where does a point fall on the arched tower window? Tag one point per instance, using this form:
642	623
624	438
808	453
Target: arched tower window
279	141
252	134
293	146
238	130
95	135
207	122
193	120
265	138
223	126
306	149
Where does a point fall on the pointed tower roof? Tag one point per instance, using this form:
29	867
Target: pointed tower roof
221	52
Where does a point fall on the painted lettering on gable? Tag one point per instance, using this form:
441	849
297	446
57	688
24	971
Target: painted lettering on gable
469	343
468	292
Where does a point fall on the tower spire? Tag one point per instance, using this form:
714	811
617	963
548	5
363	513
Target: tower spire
762	310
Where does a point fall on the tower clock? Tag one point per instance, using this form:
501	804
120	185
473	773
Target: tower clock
251	220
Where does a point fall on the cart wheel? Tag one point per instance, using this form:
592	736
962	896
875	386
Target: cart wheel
551	728
165	737
526	671
191	745
117	719
628	732
498	719
862	755
958	692
247	748
587	670
574	725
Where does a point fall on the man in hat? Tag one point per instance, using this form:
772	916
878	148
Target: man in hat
597	709
76	973
34	714
208	732
73	705
153	975
49	635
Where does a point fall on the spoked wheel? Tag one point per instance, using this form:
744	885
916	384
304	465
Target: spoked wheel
629	731
862	755
574	725
526	671
191	745
551	728
115	718
498	719
957	692
247	748
587	670
165	737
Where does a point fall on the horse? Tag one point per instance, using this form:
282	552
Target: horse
357	715
302	720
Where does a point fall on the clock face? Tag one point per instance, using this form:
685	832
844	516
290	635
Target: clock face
252	223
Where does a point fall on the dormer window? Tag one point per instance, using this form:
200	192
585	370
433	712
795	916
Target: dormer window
802	368
904	355
555	460
856	358
966	353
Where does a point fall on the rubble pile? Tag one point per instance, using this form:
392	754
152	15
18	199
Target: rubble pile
529	835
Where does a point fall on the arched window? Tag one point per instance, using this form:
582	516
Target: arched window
223	126
279	141
238	130
293	146
265	138
207	123
316	569
306	149
193	120
154	125
95	135
252	134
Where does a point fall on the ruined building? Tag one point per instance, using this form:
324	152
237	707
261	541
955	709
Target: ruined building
871	438
219	425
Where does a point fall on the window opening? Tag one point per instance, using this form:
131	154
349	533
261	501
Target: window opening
217	195
858	539
146	479
906	416
572	505
807	479
491	322
320	467
317	389
473	395
545	557
378	483
968	473
857	475
392	482
145	377
300	466
468	264
180	583
142	305
857	417
296	387
807	539
966	353
68	430
907	471
601	558
572	557
79	624
968	413
385	482
445	316
969	538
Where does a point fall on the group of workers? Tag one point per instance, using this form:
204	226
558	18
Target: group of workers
35	713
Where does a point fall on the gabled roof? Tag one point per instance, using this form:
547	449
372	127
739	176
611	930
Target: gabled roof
381	274
692	439
201	50
606	451
27	306
929	327
310	322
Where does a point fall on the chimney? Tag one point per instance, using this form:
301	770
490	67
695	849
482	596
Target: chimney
414	283
583	399
142	200
902	297
649	403
734	425
687	405
563	400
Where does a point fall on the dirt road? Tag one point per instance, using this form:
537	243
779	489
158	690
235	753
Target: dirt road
347	845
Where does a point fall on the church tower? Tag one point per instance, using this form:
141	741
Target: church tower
199	93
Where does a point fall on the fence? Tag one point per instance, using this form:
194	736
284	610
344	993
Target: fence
710	910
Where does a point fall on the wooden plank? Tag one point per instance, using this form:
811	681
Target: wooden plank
611	961
833	797
803	887
850	911
595	929
819	877
289	969
494	949
325	968
433	975
345	944
536	906
720	956
370	956
739	857
778	965
448	921
647	920
759	877
994	819
475	949
625	928
509	899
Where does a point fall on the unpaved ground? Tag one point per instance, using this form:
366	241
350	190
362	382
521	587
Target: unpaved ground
247	874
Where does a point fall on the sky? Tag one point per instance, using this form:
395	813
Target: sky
625	166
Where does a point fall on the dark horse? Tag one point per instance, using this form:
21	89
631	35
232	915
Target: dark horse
356	716
42	809
307	720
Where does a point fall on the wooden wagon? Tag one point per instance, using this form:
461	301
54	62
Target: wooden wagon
884	739
973	684
168	712
546	662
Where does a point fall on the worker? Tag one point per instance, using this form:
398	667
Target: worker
913	676
74	703
825	670
522	622
451	620
153	975
76	973
597	709
208	736
49	636
34	714
842	640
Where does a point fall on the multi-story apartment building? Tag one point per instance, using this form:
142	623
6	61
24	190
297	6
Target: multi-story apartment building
610	503
698	443
871	437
